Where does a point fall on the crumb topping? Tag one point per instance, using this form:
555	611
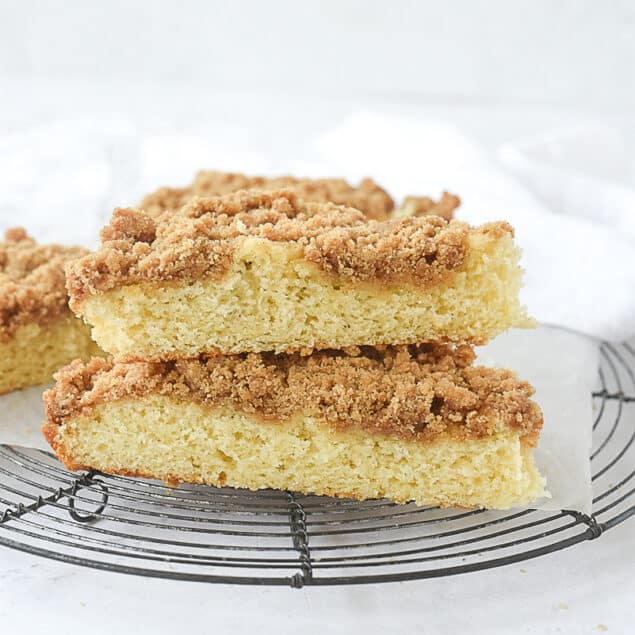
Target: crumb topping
417	391
425	206
199	241
367	196
32	286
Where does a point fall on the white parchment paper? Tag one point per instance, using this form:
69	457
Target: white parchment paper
561	365
563	368
21	416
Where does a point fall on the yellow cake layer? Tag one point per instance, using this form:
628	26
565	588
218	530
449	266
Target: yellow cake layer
35	351
272	299
159	437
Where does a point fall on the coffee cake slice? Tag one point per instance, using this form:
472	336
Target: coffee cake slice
251	272
38	332
368	197
417	423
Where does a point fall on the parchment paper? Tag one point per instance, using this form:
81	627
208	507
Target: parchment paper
561	365
563	368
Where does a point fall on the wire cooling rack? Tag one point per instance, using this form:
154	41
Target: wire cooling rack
280	538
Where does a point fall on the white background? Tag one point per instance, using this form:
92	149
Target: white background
277	75
534	52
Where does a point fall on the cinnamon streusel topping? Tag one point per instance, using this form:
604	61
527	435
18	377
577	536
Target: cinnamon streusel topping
412	391
368	197
31	281
426	206
199	241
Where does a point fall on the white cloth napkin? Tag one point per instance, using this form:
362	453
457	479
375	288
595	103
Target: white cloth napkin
62	179
576	226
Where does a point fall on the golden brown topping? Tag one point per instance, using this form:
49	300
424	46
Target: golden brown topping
413	391
405	250
367	196
200	239
31	280
425	206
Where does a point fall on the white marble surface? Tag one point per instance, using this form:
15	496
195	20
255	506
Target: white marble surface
584	589
580	591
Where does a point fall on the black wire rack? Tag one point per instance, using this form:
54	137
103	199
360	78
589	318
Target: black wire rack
280	538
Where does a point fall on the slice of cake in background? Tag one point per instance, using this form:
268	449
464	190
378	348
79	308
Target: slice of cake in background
368	197
38	332
416	423
426	206
254	271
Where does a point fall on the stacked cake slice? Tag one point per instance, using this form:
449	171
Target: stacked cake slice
264	341
253	272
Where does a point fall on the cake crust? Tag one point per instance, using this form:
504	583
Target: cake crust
368	197
32	282
200	240
414	392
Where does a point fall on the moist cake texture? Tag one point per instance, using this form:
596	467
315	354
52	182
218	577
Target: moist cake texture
202	238
410	391
38	332
258	271
408	423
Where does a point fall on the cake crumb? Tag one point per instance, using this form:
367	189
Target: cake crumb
200	239
410	391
